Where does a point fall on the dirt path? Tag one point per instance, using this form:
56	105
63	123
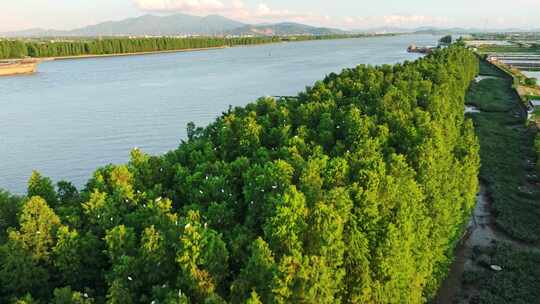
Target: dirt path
479	233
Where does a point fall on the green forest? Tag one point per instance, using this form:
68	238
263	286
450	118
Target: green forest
355	191
11	49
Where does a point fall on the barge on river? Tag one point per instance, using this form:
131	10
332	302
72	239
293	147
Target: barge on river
422	49
15	67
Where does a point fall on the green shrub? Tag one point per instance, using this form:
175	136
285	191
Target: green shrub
531	81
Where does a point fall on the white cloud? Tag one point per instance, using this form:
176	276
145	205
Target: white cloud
238	10
237	4
264	9
235	9
264	12
413	20
406	21
193	6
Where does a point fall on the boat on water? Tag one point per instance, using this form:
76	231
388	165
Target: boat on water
15	67
422	49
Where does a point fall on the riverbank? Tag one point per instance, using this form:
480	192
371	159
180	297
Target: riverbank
92	47
91	56
18	67
499	261
133	54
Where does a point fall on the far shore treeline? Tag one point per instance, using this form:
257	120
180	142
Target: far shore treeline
356	191
16	48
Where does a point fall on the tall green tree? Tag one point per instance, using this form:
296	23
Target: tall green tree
43	187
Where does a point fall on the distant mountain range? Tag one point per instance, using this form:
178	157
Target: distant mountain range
441	31
178	24
285	28
156	25
182	24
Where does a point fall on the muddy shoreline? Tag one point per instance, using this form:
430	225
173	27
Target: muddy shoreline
27	69
18	68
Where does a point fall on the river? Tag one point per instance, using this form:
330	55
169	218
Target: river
74	116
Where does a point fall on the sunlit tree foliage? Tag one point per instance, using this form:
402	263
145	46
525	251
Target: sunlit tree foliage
356	191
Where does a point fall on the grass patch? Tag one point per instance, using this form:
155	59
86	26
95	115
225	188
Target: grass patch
507	155
518	282
487	69
506	151
491	95
508	49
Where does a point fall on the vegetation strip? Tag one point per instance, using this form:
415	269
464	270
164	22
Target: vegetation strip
357	191
12	48
507	153
508	171
134	54
533	49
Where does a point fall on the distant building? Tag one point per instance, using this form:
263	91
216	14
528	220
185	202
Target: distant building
492	59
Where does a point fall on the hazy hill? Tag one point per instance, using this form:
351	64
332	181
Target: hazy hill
179	24
285	28
436	30
31	33
418	30
182	24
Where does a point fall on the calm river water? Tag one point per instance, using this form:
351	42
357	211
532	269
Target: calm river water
76	115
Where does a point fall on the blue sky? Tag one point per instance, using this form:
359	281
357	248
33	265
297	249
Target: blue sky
350	14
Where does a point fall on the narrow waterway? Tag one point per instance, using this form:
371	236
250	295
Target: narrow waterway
480	232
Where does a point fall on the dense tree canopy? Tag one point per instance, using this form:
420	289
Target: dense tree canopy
356	191
531	81
446	39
